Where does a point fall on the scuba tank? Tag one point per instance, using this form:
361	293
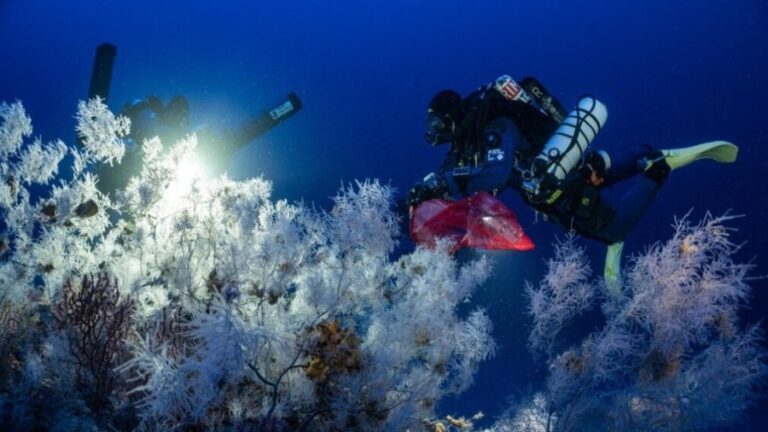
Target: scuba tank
563	152
544	99
511	90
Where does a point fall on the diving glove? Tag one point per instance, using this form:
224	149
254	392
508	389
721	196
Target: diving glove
433	186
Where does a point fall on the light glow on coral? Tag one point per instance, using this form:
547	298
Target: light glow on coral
188	171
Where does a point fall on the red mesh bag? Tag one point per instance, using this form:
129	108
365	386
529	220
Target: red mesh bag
479	221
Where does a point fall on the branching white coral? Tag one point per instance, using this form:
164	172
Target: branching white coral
671	356
564	293
16	125
247	311
39	163
101	133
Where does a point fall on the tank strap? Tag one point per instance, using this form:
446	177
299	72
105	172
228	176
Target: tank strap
574	137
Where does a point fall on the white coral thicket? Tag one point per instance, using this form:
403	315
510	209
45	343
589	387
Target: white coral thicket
247	311
671	355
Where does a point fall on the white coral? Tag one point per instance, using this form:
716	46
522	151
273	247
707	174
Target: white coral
231	288
671	355
101	133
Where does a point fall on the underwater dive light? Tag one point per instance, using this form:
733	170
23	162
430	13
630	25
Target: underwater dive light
266	121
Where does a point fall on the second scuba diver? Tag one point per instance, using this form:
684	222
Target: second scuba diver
150	117
170	122
514	135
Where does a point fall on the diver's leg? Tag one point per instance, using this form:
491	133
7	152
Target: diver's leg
645	187
655	166
625	164
632	207
628	212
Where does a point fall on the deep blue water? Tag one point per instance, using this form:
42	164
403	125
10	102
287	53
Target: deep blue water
672	73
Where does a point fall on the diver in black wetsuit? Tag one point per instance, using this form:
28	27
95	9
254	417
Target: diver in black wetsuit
528	143
150	118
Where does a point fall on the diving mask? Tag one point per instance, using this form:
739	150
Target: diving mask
437	129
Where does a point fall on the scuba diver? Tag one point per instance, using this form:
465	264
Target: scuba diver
170	122
510	135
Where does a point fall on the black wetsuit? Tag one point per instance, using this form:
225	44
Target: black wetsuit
493	150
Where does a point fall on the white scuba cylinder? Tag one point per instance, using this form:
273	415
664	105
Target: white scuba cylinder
564	149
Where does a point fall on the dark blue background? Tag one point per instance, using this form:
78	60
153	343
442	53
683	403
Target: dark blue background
672	73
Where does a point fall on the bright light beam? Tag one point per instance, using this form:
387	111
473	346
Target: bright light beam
189	173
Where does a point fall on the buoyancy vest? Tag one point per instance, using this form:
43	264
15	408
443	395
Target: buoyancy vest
493	132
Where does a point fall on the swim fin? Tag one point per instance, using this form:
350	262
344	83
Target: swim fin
719	151
101	74
612	269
